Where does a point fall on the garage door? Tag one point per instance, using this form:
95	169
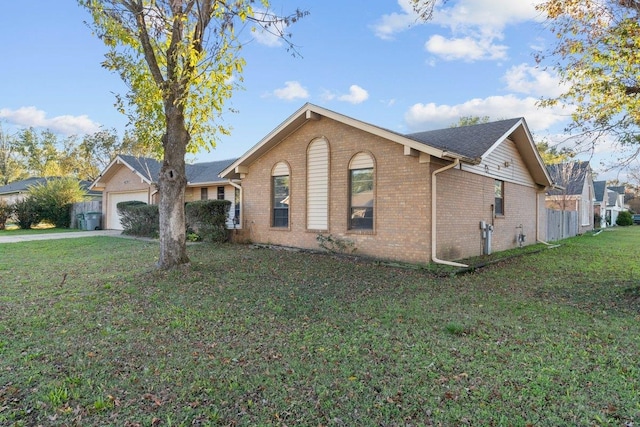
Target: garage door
113	219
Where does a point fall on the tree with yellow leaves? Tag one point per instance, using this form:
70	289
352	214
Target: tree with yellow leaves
179	59
597	57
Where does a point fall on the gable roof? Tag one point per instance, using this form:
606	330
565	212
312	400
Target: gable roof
570	176
599	188
457	139
612	197
19	187
148	169
469	144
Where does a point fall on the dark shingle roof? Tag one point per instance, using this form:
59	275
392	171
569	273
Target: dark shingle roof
21	186
24	185
599	188
147	167
570	175
196	173
470	141
207	172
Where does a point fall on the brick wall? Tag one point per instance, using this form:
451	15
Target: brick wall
465	199
402	229
402	187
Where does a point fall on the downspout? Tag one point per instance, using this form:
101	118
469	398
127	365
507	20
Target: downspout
434	197
239	187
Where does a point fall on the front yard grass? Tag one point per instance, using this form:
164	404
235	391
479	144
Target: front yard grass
92	335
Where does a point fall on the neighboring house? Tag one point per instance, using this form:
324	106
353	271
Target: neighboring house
573	191
18	190
418	198
600	202
615	204
129	178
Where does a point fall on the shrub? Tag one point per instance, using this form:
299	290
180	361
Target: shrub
5	213
53	199
26	213
208	218
139	219
624	218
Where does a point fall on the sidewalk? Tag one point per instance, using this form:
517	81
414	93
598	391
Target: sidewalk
63	235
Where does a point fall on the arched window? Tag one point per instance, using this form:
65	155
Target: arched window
280	195
318	185
361	192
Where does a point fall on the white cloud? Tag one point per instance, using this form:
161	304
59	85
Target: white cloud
489	15
33	117
271	35
356	95
530	80
474	26
466	48
422	117
395	22
293	90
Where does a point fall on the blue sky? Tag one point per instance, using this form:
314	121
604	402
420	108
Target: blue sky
375	63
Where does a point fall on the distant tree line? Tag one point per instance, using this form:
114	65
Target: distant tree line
30	153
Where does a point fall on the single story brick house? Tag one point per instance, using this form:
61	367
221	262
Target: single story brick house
129	178
439	195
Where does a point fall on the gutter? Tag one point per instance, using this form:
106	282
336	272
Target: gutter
434	197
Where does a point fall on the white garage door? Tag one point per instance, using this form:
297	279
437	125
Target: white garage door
113	219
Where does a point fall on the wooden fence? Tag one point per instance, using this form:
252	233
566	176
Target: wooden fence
83	208
561	224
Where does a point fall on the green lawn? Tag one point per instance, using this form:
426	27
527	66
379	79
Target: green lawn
92	335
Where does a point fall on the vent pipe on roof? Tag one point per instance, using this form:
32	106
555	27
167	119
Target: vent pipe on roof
434	212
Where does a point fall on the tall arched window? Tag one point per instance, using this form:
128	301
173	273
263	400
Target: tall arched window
280	195
361	192
318	185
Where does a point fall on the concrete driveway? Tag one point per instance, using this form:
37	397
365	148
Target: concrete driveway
64	235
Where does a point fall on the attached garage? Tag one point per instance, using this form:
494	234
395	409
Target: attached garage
113	218
129	178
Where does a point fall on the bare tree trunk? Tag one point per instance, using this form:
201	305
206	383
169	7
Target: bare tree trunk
172	184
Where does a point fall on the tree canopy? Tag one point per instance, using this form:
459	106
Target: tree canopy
597	57
31	153
181	62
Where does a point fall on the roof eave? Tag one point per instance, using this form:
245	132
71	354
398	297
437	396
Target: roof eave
310	112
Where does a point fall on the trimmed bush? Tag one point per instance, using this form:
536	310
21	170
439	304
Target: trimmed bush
208	218
624	218
139	219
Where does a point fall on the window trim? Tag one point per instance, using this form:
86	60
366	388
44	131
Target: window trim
276	173
204	193
360	163
220	192
497	213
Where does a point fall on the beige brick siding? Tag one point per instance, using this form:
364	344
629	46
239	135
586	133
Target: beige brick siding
401	185
402	217
465	199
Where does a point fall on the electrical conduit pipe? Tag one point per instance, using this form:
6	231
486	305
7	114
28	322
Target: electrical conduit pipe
434	227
